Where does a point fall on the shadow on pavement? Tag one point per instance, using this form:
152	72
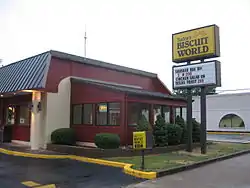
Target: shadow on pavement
64	173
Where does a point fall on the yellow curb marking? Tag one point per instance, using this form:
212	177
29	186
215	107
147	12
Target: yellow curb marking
37	185
30	183
126	167
47	186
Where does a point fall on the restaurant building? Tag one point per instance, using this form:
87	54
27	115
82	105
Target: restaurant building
58	90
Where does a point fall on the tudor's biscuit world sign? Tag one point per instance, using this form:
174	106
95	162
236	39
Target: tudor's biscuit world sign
196	44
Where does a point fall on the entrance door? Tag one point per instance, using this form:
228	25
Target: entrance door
9	122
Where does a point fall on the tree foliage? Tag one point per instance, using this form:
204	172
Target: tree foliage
160	132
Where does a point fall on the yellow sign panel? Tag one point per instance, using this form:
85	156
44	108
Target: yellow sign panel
139	140
196	44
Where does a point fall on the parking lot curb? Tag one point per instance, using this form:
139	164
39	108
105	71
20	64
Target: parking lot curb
127	168
199	164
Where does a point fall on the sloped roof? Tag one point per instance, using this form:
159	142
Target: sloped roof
103	64
126	88
26	74
31	73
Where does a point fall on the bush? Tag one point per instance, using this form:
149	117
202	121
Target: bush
196	130
107	141
143	124
64	136
180	121
174	134
160	132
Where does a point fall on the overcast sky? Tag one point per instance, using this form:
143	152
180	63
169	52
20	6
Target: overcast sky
133	33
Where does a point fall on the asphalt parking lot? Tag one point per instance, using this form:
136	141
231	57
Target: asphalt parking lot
60	173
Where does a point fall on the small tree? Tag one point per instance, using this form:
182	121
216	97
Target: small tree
180	121
174	134
196	130
143	124
160	132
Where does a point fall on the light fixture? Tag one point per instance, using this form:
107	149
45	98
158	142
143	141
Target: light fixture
1	95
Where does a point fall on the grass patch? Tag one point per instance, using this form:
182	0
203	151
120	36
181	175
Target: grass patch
169	160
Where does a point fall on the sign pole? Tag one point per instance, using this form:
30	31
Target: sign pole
189	118
142	159
203	121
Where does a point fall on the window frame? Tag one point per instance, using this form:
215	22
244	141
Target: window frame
107	115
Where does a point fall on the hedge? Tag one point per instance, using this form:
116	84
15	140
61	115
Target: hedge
107	141
64	136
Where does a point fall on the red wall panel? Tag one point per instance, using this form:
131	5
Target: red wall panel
86	133
21	132
90	93
60	69
86	93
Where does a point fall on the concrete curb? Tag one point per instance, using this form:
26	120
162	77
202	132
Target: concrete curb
125	166
199	164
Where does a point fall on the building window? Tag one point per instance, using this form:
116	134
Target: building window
184	113
114	113
181	112
157	111
166	113
162	110
24	115
231	121
77	114
11	115
108	114
177	111
136	111
88	114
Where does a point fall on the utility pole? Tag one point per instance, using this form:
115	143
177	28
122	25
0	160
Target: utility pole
189	118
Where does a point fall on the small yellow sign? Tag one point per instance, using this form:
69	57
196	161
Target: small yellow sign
139	140
196	44
103	108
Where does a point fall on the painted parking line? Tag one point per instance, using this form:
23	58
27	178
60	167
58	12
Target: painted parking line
37	185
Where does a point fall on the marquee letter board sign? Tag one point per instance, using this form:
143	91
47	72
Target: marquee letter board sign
197	75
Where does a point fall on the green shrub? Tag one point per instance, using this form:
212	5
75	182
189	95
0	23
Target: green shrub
174	134
180	121
64	136
107	141
196	130
160	132
143	124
